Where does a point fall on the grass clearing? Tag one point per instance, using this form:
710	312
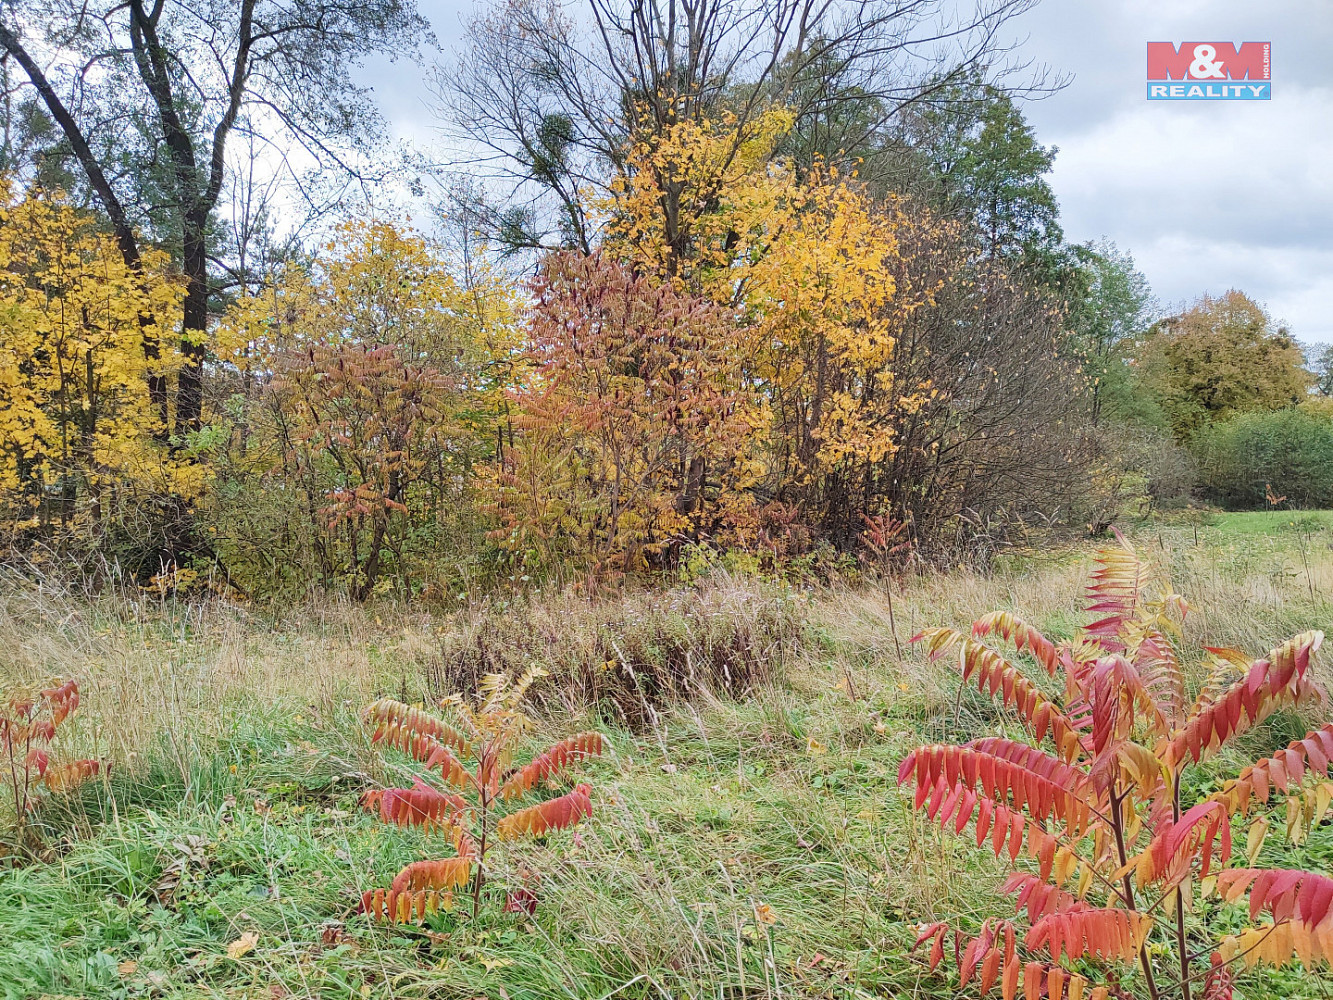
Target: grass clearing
749	846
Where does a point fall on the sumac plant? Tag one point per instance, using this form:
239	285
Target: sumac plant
1116	863
475	796
28	725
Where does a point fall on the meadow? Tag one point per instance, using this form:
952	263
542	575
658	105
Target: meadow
748	837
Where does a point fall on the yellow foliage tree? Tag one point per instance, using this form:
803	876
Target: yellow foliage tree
367	387
1220	357
811	267
81	446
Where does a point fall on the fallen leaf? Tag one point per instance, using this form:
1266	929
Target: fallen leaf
243	945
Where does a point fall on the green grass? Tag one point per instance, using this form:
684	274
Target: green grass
237	811
1277	523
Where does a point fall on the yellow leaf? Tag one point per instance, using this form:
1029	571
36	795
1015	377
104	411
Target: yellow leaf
1323	798
1254	840
813	747
243	945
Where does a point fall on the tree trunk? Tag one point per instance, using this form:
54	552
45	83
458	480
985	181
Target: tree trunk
194	327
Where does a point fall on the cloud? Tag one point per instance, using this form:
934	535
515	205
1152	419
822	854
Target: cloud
1207	196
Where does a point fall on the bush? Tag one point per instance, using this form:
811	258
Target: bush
1287	452
343	454
628	655
1102	805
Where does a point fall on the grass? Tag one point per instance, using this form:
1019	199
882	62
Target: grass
749	840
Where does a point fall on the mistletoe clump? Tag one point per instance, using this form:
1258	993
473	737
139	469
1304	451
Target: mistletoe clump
1094	800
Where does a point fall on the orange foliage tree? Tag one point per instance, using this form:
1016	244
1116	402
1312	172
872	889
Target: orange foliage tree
1095	798
475	762
633	425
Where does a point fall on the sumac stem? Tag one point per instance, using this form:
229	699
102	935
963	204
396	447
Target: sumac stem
1118	826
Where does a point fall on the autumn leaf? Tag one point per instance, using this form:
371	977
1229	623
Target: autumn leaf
243	945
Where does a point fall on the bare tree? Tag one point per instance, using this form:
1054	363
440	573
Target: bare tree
1002	436
148	93
545	101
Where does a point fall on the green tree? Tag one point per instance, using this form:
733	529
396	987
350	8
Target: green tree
1108	307
1220	357
992	170
1321	363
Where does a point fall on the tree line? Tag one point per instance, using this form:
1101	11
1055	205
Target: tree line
738	280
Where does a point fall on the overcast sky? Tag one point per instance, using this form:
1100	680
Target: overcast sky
1207	196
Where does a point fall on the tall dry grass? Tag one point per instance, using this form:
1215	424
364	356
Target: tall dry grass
150	665
768	726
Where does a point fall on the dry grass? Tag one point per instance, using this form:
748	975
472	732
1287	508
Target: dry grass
745	776
150	665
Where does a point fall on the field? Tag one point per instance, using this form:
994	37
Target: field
748	839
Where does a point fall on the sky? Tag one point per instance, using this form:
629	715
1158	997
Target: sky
1206	196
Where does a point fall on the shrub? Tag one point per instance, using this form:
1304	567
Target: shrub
28	724
360	400
1289	452
1097	797
628	655
474	815
634	424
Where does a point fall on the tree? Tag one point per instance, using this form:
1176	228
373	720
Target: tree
148	93
1110	310
633	426
1321	363
556	100
1222	356
902	373
992	171
806	262
76	423
362	400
